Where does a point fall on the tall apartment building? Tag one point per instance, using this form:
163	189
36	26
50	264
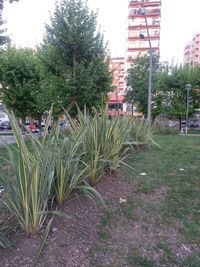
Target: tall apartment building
137	39
192	51
135	45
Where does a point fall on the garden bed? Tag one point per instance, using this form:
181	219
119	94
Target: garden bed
151	217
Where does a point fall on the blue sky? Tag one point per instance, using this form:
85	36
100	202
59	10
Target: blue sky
180	21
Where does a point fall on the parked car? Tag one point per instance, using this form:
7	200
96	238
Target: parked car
173	123
43	124
65	124
33	128
5	125
194	124
183	123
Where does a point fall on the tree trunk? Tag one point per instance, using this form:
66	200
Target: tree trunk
74	63
71	105
23	124
40	122
180	122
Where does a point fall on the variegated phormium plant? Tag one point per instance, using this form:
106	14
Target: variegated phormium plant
27	190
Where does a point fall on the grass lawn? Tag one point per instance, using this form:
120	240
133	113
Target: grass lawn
194	131
3	154
159	224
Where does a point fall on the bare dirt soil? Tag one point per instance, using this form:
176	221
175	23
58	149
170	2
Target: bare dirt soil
70	241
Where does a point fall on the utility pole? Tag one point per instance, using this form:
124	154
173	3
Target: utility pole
143	12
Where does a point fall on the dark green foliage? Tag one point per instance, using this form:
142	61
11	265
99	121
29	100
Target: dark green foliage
137	79
168	87
74	55
70	67
173	92
20	77
165	129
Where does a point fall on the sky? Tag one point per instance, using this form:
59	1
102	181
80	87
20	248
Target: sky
179	22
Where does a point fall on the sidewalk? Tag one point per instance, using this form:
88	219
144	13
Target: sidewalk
198	135
10	139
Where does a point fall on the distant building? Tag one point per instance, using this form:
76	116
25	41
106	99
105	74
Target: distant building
192	51
137	43
116	98
116	104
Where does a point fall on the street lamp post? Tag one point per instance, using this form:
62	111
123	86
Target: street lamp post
143	12
132	103
117	103
188	87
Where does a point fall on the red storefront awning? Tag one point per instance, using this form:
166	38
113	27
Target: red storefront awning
115	98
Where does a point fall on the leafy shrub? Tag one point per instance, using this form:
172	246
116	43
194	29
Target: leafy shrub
165	129
139	132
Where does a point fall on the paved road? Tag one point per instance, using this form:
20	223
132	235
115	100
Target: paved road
10	139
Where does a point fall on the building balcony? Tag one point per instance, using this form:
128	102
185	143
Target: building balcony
143	1
156	37
130	59
152	15
142	49
138	3
143	26
149	12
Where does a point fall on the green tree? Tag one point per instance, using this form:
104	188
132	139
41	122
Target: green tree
20	78
174	93
137	81
74	53
168	83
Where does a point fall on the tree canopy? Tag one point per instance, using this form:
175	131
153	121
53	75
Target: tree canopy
71	65
137	81
20	79
168	83
174	92
75	55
